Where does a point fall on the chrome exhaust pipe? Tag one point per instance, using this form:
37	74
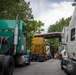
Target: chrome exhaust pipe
16	35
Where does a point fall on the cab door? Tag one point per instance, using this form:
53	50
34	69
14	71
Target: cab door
72	43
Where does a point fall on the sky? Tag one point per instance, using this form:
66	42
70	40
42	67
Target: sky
50	11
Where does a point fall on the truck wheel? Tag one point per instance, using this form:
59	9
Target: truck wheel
41	59
62	68
68	73
70	68
8	65
1	68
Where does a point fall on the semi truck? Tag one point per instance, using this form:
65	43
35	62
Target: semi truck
38	49
13	49
69	64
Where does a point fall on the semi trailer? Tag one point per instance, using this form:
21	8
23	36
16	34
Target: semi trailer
63	42
69	64
13	49
38	49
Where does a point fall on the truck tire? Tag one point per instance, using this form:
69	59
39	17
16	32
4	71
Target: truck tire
41	59
8	65
1	68
70	68
62	68
68	73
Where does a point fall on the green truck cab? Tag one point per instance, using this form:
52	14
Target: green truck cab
13	49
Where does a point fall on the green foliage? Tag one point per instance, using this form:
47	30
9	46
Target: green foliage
35	27
10	8
57	27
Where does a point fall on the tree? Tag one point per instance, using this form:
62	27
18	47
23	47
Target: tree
9	10
33	27
57	27
5	6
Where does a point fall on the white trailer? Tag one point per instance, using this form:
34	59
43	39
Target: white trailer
64	34
69	64
63	42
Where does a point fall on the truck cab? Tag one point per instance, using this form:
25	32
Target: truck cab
13	49
71	44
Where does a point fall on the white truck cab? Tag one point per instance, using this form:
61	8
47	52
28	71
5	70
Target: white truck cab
71	44
69	64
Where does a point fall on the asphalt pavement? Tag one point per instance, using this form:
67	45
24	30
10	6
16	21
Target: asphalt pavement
50	67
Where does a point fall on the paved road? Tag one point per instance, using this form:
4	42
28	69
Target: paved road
50	67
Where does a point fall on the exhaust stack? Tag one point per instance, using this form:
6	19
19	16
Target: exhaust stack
16	35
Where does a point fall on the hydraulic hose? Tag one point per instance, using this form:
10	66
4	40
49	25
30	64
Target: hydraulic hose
4	46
